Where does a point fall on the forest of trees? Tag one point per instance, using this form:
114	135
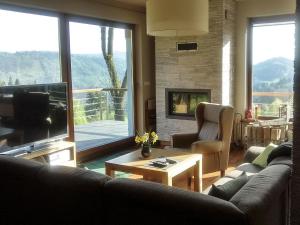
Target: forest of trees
88	71
273	75
109	71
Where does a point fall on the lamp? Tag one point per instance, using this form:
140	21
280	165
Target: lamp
177	17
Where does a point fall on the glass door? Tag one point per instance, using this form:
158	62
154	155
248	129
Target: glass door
102	82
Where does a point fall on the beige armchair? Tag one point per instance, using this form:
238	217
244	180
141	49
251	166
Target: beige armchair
212	138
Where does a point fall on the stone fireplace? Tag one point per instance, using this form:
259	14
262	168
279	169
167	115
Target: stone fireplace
181	103
208	68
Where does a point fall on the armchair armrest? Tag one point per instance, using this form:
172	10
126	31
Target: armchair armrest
183	140
207	147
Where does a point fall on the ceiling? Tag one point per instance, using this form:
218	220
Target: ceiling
136	5
141	3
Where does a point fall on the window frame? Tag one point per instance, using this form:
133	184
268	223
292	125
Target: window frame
65	64
127	141
249	62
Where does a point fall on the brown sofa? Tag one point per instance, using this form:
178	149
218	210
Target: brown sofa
212	138
36	194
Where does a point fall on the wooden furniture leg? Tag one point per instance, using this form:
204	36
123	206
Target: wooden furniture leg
167	180
222	173
189	181
198	176
219	159
109	172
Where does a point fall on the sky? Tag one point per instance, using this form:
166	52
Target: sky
27	32
273	41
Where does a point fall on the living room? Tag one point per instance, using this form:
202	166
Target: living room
123	103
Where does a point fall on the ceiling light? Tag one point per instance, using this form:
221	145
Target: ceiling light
177	17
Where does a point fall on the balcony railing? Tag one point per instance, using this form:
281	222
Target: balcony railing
98	104
282	108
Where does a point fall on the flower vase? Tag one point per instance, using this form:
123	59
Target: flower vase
146	151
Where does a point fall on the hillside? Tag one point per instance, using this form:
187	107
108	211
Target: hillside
88	71
275	74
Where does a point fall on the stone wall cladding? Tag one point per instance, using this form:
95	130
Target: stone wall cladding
193	70
229	36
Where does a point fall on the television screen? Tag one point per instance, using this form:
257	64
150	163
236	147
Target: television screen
31	114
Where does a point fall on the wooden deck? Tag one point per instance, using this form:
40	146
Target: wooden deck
99	133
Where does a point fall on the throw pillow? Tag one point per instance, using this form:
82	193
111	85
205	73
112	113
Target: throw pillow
228	190
284	149
261	160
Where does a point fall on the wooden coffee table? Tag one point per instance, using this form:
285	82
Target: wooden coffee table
134	163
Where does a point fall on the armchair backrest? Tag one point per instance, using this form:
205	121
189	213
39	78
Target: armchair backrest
215	122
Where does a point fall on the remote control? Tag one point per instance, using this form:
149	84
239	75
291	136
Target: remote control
159	164
171	161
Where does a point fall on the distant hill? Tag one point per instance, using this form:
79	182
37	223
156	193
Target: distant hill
275	74
88	70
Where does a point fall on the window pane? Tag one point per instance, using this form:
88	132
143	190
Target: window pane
273	69
29	49
101	59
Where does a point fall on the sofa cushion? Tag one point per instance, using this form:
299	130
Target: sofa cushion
220	181
209	131
227	190
284	149
249	168
252	153
262	159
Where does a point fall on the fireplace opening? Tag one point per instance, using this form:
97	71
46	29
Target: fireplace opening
181	103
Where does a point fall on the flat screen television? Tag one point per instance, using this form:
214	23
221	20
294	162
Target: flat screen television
32	114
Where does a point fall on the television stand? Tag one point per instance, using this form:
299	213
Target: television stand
51	153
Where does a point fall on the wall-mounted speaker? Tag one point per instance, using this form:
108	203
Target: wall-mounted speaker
187	46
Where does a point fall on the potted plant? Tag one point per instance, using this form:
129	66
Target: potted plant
146	141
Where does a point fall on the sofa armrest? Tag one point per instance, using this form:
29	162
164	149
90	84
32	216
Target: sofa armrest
263	197
183	140
207	147
138	202
252	153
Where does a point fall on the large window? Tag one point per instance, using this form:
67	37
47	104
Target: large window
39	47
101	63
271	66
29	49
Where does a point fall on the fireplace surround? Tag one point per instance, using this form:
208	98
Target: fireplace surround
181	103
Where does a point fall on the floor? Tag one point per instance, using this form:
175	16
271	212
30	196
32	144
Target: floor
99	133
236	157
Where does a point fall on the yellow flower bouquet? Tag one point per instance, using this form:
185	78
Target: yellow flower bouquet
146	140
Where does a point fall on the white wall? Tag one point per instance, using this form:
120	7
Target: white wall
247	9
